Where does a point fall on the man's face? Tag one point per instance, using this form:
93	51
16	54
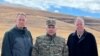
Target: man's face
79	25
51	30
21	21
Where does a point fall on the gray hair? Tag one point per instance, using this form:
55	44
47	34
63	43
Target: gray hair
79	19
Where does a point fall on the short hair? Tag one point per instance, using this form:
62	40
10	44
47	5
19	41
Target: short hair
79	19
21	14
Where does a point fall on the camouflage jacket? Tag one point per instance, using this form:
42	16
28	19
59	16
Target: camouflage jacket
46	47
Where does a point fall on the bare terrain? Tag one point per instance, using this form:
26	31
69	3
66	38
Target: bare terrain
36	22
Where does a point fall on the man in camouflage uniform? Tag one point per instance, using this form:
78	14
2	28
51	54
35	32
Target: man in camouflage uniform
50	44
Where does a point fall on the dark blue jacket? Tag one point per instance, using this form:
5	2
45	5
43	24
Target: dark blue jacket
17	42
85	46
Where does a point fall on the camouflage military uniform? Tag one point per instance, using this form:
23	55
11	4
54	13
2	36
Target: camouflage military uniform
47	47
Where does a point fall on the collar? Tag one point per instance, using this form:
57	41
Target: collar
82	37
22	31
51	36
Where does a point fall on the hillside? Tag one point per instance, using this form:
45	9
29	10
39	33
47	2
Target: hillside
36	22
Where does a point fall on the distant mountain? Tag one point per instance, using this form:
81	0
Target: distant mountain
8	9
37	18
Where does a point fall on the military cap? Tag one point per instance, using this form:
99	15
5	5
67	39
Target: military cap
51	22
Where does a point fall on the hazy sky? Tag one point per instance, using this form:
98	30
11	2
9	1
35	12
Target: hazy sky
89	8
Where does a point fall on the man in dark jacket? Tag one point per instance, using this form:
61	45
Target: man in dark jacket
81	42
18	40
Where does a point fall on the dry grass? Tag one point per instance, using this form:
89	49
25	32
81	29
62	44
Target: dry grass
36	24
37	28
